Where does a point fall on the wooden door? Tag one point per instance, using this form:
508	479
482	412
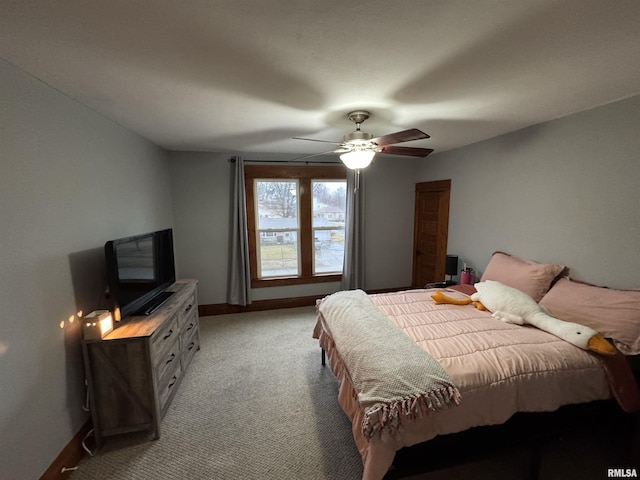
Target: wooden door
430	232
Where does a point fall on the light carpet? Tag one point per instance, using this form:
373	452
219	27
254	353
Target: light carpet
255	403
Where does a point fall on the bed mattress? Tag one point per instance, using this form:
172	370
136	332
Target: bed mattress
500	369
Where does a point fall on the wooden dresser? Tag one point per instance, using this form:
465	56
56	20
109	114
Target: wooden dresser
134	372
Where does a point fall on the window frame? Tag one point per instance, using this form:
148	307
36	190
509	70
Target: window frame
304	175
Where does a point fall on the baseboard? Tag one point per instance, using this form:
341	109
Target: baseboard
258	305
273	304
69	457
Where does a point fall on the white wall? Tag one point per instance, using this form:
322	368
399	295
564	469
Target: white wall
564	191
201	189
69	180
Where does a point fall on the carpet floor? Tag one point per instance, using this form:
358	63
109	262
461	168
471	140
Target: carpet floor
256	403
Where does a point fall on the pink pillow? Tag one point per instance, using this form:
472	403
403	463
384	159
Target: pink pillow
532	278
613	313
463	288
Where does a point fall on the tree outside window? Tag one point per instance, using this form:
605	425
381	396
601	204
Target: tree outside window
278	228
296	225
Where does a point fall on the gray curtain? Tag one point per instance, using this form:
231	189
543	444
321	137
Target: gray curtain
239	281
353	268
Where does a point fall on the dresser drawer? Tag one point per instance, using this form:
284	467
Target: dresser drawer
188	310
190	344
164	338
189	326
168	385
167	359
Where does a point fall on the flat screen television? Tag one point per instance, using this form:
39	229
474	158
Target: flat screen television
139	270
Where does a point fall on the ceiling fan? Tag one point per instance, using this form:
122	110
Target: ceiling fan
358	148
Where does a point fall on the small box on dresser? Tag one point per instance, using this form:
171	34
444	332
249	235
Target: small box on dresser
134	372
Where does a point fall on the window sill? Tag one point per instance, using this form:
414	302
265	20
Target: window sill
277	282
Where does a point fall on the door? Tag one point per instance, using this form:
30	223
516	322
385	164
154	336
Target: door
430	232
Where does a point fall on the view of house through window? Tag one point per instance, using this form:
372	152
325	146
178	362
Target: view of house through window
296	223
279	230
329	205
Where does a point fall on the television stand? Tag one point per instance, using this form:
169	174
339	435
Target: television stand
153	304
134	372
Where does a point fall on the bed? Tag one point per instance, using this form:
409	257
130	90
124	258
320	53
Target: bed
493	369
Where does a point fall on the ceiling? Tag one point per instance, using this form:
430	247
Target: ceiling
247	75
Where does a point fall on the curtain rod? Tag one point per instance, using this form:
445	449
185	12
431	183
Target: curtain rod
306	162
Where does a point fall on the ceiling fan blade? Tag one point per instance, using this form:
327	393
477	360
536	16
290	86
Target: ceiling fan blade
408	151
399	137
314	140
337	150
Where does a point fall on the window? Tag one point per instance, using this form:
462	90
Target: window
296	221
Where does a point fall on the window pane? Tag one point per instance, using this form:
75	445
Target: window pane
329	251
277	198
328	211
278	228
278	254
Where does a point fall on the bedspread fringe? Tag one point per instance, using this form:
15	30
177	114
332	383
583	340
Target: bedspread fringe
388	417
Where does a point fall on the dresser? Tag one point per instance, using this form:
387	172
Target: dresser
134	372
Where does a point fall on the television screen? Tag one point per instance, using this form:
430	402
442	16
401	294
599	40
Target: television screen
135	259
139	269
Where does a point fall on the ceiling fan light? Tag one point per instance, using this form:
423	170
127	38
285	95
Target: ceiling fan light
357	159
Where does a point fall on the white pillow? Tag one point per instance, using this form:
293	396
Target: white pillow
506	303
513	306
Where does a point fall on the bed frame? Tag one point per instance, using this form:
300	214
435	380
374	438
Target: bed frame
603	420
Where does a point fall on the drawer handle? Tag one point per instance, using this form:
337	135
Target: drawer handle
173	382
190	326
168	334
188	308
191	345
173	355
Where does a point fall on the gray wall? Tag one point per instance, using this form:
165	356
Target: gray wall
70	181
390	202
564	191
201	192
